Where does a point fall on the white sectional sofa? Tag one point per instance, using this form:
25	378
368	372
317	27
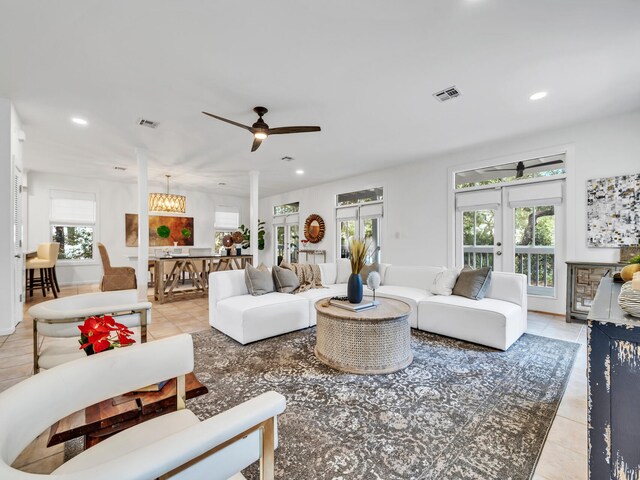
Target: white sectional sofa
496	321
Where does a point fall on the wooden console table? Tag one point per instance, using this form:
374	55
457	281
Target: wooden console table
614	387
169	270
108	417
314	253
583	279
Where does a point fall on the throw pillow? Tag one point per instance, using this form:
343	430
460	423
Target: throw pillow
285	280
367	269
473	283
444	281
258	280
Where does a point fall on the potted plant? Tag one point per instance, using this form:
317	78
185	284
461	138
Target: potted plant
247	236
358	249
98	334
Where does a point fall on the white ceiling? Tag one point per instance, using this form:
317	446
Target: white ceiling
364	70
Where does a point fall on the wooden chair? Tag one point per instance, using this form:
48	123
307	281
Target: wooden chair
45	261
115	278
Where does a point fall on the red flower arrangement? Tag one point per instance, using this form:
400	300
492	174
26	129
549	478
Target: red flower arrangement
304	242
98	334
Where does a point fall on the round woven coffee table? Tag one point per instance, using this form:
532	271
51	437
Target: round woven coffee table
377	340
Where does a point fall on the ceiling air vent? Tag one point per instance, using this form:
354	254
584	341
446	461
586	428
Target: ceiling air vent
147	123
447	94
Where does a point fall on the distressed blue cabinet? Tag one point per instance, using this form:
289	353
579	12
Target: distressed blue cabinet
614	388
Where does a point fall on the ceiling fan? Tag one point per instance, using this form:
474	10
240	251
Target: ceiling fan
261	130
520	167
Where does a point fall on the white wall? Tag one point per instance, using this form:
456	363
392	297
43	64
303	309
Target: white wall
114	200
10	157
416	215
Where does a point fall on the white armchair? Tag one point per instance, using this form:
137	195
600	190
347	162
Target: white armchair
60	319
175	445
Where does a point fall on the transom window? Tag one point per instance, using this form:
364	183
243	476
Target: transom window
286	209
361	196
510	172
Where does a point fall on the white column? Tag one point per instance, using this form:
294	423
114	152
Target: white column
143	225
253	213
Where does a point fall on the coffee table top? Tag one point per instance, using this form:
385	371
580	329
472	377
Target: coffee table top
388	309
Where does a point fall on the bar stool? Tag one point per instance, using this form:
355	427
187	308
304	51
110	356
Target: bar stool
45	261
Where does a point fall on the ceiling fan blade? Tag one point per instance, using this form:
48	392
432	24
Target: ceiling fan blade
229	121
544	164
282	130
256	144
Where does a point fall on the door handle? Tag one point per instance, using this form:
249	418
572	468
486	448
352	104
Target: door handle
498	253
499	244
18	256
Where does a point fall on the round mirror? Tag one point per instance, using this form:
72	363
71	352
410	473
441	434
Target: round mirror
314	228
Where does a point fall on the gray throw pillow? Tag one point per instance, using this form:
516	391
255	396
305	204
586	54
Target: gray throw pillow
258	280
367	269
473	283
285	280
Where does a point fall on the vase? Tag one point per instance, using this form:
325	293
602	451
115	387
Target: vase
238	251
354	288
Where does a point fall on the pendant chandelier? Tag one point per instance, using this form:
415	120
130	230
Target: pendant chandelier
167	202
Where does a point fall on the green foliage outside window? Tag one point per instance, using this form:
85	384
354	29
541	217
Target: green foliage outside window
76	242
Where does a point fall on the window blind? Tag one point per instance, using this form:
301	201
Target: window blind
226	218
74	208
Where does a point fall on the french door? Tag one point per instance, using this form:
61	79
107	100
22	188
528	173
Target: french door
287	239
18	238
515	229
360	222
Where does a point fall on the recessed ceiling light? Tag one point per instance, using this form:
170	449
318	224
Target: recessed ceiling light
538	95
299	172
79	121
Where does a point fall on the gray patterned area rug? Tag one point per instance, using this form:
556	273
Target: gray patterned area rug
459	411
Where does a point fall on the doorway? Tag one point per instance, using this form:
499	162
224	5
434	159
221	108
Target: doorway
516	228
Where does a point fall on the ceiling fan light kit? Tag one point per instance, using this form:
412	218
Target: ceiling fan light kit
261	130
167	202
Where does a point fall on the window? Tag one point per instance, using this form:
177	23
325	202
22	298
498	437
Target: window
227	220
509	172
535	238
361	196
286	209
359	215
478	237
72	219
219	235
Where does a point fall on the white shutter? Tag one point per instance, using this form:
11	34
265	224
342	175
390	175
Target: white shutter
544	193
74	208
226	218
292	219
347	212
374	210
478	200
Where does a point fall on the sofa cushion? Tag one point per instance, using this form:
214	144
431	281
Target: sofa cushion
473	283
285	280
328	272
313	295
415	277
490	322
259	280
343	267
118	445
409	295
444	281
246	318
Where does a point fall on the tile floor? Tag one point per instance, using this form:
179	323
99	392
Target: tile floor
564	455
